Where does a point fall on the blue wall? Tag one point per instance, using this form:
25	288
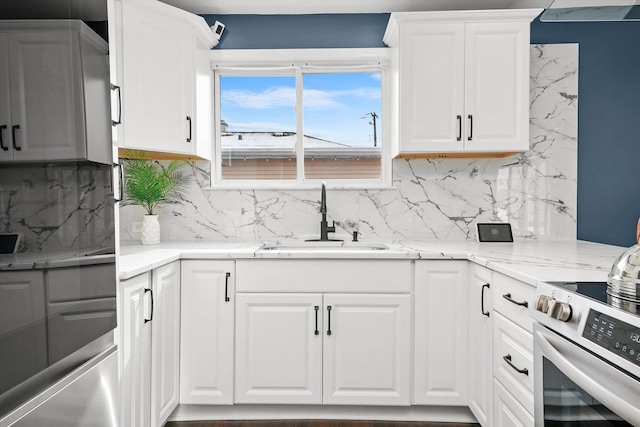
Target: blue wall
609	105
301	31
608	125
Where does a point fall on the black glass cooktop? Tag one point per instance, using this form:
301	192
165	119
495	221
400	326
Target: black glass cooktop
598	292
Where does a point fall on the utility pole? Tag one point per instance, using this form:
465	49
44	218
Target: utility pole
374	116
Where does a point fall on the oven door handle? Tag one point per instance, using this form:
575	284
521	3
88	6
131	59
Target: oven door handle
593	381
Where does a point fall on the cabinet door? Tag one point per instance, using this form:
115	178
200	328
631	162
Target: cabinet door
279	348
46	95
6	153
165	342
431	87
441	325
206	332
480	344
507	411
23	331
497	86
367	354
135	347
157	61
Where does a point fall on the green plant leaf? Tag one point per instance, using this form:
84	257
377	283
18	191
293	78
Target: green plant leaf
149	184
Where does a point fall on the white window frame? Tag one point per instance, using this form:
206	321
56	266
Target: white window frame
275	61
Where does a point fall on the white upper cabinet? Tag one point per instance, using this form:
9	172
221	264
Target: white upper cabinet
163	80
54	92
462	81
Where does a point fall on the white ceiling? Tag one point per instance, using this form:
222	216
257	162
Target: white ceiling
95	10
344	6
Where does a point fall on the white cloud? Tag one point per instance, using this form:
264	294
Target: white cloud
260	127
285	97
269	98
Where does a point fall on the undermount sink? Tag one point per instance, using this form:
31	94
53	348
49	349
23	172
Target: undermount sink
328	245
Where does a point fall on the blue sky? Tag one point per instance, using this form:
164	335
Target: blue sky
334	105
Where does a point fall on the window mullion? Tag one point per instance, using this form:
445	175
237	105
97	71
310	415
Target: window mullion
299	109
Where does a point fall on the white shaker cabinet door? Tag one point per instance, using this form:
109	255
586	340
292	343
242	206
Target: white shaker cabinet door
207	332
480	344
135	347
279	348
441	317
47	118
165	342
431	87
6	152
497	86
23	328
158	62
367	344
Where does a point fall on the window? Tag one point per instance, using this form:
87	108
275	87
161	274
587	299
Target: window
294	124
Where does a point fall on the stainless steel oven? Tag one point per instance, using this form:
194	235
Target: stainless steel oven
586	357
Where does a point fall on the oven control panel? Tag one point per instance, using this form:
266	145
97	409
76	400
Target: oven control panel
614	335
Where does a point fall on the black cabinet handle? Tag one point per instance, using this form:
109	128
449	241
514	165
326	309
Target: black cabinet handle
2	128
151	316
520	303
226	287
523	371
119	121
316	308
118	171
189	120
470	137
459	138
14	128
487	286
329	320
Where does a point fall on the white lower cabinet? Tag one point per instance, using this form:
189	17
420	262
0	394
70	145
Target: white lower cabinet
367	345
507	411
24	354
135	351
441	324
149	338
207	332
480	337
279	348
512	352
313	348
165	342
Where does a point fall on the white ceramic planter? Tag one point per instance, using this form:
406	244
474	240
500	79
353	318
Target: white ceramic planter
150	230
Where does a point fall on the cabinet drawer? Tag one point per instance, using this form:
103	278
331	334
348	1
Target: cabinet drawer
335	275
507	411
509	299
513	351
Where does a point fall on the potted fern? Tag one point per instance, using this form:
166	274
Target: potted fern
149	184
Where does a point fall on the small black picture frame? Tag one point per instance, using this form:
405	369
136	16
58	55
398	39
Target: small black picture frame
494	232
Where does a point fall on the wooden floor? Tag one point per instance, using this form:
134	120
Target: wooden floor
312	423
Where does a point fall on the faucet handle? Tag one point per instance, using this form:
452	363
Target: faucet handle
355	236
332	228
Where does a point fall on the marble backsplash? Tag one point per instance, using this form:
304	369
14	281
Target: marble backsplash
432	198
58	206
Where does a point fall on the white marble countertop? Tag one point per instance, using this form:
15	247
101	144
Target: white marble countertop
55	259
527	261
